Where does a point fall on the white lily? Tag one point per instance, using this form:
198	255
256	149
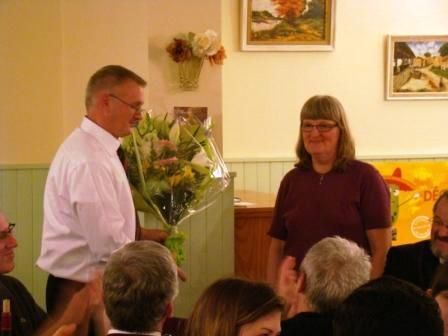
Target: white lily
174	133
202	159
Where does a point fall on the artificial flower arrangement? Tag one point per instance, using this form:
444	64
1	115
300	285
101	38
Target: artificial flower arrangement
174	170
190	50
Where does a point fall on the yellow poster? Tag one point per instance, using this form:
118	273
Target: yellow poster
414	187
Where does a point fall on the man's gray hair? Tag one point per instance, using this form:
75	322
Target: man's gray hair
139	281
107	77
333	268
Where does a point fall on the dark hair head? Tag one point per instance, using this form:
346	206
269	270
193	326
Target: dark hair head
388	306
108	77
326	107
230	303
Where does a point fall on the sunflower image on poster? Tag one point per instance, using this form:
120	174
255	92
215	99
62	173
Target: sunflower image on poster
414	187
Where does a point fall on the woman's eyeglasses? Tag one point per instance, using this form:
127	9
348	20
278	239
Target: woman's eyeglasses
324	127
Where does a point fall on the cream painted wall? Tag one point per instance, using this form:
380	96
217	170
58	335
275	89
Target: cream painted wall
166	20
49	49
97	33
264	91
30	80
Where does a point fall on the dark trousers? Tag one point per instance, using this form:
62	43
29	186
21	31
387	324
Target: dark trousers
59	292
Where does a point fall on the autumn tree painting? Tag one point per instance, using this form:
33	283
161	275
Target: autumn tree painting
290	10
290	21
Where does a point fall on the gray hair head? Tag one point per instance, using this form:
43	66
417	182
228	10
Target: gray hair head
107	77
333	268
140	280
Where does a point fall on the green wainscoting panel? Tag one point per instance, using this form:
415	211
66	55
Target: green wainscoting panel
265	174
209	245
261	175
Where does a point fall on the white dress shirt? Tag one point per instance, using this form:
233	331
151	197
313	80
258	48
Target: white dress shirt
88	208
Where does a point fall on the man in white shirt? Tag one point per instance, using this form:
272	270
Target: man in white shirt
88	207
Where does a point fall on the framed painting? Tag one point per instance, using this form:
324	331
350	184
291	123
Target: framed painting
417	67
287	25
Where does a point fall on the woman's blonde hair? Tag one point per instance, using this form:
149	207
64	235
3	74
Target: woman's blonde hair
326	107
228	304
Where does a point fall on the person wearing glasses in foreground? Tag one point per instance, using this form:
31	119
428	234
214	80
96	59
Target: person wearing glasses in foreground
329	192
88	207
418	262
27	317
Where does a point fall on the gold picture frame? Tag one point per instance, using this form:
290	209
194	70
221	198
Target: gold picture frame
417	67
279	25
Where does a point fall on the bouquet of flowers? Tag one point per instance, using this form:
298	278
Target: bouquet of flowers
190	50
174	169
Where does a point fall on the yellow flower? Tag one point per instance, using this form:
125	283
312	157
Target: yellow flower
175	180
188	172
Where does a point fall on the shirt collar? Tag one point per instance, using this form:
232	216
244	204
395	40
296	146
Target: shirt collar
107	140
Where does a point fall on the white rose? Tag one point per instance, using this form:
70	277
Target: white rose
206	44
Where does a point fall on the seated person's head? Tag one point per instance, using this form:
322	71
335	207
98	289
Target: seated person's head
331	270
7	245
439	231
439	291
140	284
388	306
231	307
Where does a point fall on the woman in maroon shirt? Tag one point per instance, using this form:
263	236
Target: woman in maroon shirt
329	192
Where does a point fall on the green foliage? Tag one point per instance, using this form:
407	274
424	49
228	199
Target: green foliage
170	165
175	243
440	72
262	16
316	10
443	50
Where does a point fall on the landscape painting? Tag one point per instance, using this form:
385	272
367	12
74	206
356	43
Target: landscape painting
417	67
287	25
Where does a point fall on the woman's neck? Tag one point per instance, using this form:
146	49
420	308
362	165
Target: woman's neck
322	166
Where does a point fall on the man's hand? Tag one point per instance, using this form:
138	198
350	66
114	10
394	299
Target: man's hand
181	274
156	235
288	286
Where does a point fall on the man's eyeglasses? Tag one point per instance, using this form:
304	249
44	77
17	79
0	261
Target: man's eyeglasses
5	234
307	128
135	108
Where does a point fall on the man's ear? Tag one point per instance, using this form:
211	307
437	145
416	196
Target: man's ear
429	292
301	281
